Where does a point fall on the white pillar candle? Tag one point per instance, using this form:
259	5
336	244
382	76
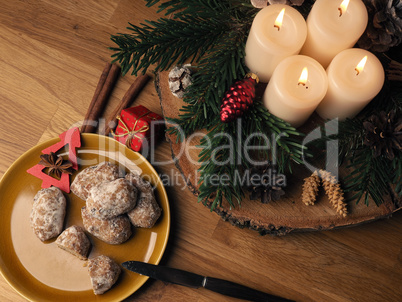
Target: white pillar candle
351	88
332	26
289	96
269	43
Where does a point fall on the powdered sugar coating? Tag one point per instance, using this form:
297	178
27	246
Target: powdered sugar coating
136	179
104	272
146	212
93	176
48	212
113	231
111	199
74	241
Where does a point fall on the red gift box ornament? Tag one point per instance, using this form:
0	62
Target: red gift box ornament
131	134
134	127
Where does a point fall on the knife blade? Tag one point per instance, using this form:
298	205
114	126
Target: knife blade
189	279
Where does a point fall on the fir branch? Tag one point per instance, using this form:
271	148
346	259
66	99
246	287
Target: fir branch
350	138
224	155
217	70
165	42
218	158
197	26
285	145
207	8
370	177
212	34
397	172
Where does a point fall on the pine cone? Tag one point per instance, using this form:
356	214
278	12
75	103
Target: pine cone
264	185
384	29
179	80
328	181
334	192
310	189
238	98
259	3
287	2
384	134
338	201
394	71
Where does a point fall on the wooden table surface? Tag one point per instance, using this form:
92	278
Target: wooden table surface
51	56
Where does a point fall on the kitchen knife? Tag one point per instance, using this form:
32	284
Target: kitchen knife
177	276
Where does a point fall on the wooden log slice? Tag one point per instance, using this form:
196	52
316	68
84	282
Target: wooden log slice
278	217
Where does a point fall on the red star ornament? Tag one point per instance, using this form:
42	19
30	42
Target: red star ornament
72	138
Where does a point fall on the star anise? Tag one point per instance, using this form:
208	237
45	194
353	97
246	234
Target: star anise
384	134
265	184
56	165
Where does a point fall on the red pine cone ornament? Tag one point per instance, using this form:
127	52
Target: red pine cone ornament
238	98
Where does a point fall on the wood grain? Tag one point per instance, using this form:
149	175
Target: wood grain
52	53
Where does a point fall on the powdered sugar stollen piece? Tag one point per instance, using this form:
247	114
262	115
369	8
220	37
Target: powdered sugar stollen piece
146	212
141	184
93	176
113	231
48	212
75	241
111	199
104	272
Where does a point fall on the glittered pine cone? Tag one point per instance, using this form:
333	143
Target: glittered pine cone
384	134
384	29
179	80
287	2
259	3
238	98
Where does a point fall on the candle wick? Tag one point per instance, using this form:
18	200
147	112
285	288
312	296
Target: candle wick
340	11
304	84
278	27
357	71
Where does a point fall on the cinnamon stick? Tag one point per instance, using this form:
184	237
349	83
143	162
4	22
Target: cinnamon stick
127	99
105	85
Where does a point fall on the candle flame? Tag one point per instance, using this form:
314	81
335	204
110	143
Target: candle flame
343	7
303	77
279	19
359	68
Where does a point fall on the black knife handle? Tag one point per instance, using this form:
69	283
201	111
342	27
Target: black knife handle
239	291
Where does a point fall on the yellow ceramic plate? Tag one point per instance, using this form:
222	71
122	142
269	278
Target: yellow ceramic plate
41	271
